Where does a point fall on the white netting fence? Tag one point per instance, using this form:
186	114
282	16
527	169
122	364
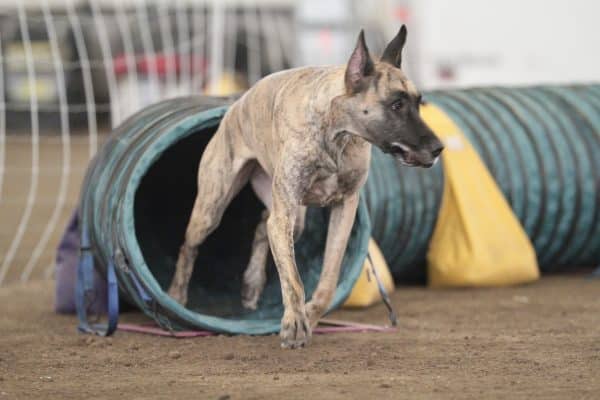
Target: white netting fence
70	71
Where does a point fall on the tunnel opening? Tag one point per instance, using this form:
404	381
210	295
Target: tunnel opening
163	203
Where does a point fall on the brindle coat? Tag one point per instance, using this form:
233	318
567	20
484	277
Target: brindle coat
303	137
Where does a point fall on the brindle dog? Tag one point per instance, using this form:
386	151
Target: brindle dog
303	137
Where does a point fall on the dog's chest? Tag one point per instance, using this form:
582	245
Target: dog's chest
331	186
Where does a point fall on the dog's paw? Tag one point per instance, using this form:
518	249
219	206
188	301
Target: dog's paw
250	296
314	313
295	330
252	287
178	294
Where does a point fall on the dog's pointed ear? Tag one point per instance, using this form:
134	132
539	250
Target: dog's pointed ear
393	52
360	66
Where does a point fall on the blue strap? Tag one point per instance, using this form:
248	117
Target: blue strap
122	263
384	294
143	294
84	291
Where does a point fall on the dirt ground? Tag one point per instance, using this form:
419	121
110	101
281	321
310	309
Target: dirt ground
538	341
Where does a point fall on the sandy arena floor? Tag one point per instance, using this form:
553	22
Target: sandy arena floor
539	341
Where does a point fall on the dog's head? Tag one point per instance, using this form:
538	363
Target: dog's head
382	105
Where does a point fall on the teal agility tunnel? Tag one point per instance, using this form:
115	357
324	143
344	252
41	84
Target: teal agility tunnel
541	144
135	204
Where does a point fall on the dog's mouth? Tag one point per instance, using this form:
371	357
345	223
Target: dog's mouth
403	154
406	156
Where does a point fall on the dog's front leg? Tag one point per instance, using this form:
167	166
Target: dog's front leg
341	221
295	329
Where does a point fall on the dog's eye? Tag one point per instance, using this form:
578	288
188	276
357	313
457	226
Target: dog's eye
398	104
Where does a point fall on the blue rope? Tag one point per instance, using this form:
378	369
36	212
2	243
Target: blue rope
84	291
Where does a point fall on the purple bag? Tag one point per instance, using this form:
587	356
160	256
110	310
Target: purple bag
67	261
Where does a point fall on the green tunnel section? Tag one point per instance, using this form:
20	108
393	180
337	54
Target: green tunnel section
135	204
541	144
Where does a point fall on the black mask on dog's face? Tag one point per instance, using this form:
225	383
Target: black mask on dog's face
383	105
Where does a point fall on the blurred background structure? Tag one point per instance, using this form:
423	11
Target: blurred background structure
71	70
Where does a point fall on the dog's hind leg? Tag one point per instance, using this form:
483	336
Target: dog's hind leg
221	175
255	275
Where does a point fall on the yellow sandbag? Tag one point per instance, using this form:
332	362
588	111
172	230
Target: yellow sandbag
477	240
366	292
227	84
